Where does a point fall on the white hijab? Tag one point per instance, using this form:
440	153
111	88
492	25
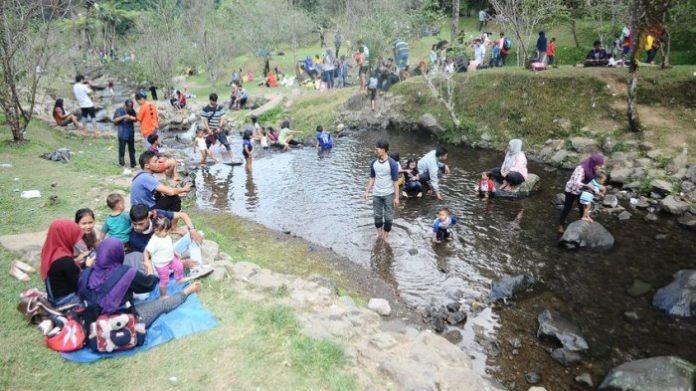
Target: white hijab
514	148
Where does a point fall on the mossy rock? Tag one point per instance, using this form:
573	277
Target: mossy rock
524	190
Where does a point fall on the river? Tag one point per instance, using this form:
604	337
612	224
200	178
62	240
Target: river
319	198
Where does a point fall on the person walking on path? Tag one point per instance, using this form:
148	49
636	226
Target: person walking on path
148	116
124	119
483	19
384	179
541	47
82	90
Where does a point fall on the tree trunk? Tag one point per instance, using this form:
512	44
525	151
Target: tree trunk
632	111
665	53
574	29
455	21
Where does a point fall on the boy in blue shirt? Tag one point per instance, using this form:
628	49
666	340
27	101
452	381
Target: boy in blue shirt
442	224
324	139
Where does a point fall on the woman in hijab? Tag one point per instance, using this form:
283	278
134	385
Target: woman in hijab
109	260
514	169
60	270
583	174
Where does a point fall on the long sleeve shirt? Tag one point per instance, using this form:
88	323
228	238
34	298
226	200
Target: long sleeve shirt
431	165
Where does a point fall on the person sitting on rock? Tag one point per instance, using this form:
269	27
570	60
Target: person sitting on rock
64	119
587	196
513	172
597	57
583	174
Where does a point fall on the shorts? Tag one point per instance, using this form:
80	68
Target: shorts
246	155
65	122
88	112
222	137
586	198
373	93
363	70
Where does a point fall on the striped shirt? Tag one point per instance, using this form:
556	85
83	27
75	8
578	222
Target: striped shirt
213	116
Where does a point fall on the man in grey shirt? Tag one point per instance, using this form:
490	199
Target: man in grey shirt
384	177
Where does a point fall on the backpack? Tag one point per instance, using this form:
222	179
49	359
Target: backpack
507	44
373	82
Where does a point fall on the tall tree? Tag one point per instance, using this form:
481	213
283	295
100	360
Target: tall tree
25	50
455	21
646	19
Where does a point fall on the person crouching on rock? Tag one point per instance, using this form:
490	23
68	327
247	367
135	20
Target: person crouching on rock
587	196
513	172
579	180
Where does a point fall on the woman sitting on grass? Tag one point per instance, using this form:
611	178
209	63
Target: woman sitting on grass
64	119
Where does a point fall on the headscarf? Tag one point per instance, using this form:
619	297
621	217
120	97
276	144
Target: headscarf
62	236
514	148
110	257
589	164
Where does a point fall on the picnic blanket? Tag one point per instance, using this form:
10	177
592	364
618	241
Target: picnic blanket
189	318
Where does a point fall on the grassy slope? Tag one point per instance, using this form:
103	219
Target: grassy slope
255	345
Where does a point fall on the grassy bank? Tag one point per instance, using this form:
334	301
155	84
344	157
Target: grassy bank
256	345
560	103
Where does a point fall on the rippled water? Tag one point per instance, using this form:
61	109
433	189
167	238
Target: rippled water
320	199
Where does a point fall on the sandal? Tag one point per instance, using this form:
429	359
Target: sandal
18	274
24	267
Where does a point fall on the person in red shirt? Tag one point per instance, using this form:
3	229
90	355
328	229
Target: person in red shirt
551	51
486	187
64	119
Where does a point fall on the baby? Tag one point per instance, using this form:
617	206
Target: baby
486	187
442	224
200	144
587	196
117	223
159	253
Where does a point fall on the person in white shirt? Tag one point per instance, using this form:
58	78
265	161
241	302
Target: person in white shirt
82	91
483	18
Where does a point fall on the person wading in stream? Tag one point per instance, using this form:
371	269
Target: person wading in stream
384	176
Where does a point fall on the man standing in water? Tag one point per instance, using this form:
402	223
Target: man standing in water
429	169
384	176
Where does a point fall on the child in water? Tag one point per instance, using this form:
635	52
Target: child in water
159	255
442	224
200	144
586	197
412	184
247	148
264	139
486	187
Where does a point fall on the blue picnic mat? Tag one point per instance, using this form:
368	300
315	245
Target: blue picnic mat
189	318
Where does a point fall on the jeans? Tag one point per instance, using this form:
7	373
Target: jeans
413	186
383	209
329	78
652	53
122	151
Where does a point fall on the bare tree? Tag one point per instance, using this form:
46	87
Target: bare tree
25	51
443	87
525	16
455	21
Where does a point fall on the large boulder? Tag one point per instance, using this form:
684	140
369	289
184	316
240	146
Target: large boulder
666	373
674	205
553	325
687	221
661	186
679	297
584	144
523	190
508	287
428	122
583	234
620	175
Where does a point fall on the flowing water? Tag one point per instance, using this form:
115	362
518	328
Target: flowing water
319	198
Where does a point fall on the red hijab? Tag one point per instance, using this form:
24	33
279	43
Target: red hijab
60	240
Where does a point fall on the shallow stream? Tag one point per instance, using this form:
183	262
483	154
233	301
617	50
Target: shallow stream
319	198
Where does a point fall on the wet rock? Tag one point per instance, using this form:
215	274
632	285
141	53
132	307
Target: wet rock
507	287
650	217
584	144
559	156
640	203
413	251
674	205
623	216
565	357
453	306
584	379
428	122
380	306
59	155
687	221
679	297
553	325
453	336
660	237
656	373
661	186
454	293
638	288
516	343
558	200
610	201
631	316
620	175
525	189
456	318
586	235
532	378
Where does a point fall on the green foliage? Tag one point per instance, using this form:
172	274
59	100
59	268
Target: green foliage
271	116
645	187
